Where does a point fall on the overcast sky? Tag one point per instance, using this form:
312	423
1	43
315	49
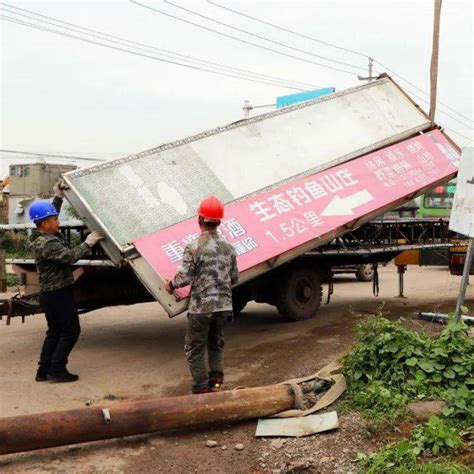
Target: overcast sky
65	96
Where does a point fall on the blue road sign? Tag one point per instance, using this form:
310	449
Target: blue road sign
286	100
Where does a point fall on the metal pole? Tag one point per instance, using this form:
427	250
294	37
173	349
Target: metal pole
370	78
464	281
247	108
371	64
434	60
401	272
60	428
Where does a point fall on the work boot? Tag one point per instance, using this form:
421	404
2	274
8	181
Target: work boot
197	392
42	372
215	383
41	376
62	377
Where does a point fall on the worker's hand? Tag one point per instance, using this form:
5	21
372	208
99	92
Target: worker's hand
94	237
168	287
58	192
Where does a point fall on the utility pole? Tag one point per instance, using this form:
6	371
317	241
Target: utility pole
371	65
248	107
434	60
464	280
369	78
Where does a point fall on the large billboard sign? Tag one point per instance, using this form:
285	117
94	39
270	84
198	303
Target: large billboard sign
268	224
153	190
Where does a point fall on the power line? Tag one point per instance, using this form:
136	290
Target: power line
162	52
286	81
153	57
95	153
177	54
460	134
262	37
19	152
421	90
337	47
345	71
290	82
288	30
60	33
439	110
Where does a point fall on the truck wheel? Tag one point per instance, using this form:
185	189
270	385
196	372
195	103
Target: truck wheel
365	272
299	293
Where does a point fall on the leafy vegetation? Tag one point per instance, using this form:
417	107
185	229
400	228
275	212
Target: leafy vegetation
12	280
390	366
435	436
379	404
15	244
401	457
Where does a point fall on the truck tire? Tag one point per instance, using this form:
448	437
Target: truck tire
299	293
365	272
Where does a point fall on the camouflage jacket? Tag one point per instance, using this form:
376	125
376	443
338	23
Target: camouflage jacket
53	258
210	266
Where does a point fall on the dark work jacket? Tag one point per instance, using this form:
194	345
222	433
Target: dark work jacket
53	257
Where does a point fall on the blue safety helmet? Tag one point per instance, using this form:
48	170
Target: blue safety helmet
41	210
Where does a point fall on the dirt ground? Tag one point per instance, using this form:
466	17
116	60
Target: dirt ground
134	353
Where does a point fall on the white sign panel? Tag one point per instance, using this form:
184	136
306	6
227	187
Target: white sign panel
462	214
150	191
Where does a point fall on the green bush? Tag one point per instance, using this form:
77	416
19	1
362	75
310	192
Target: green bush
384	352
435	436
391	365
402	456
15	243
12	280
379	403
393	457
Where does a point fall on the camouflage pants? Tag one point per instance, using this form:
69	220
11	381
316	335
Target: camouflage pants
205	331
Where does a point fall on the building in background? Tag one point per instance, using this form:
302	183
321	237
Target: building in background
28	183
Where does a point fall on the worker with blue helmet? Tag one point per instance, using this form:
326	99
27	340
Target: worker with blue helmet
53	260
41	210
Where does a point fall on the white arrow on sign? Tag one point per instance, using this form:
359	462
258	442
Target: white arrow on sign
345	206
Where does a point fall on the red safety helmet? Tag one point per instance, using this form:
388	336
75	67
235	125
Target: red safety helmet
211	208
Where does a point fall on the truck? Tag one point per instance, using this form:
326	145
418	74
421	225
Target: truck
302	187
436	203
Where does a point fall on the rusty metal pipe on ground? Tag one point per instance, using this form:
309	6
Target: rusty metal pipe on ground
60	428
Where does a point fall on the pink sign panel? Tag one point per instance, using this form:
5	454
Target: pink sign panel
268	224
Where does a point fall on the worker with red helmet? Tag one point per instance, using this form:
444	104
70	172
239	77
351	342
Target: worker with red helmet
209	265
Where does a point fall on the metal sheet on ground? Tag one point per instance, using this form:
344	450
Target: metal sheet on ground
269	224
146	192
297	427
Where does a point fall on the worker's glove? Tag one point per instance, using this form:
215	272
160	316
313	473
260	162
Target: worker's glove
58	192
169	287
94	237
